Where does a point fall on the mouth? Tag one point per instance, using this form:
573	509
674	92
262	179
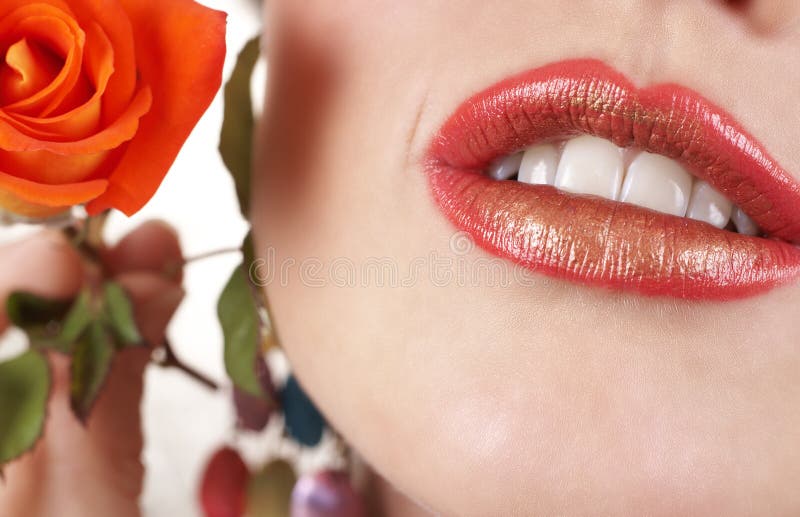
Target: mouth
572	171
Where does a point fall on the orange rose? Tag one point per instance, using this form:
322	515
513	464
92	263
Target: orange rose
98	96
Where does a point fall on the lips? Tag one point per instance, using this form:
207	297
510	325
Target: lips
605	243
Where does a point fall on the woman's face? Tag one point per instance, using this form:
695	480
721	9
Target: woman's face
481	396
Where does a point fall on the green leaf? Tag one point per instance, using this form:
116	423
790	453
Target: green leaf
119	313
26	310
75	322
238	315
40	318
248	252
236	138
269	492
24	390
91	363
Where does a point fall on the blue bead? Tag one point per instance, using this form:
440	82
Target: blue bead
304	422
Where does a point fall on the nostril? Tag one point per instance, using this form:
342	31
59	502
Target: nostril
737	4
766	17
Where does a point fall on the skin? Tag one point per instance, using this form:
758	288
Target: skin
75	468
547	398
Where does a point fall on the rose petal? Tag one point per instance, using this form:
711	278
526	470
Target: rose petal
12	138
33	199
28	69
184	79
82	121
116	25
59	29
18	207
19	131
55	169
10	5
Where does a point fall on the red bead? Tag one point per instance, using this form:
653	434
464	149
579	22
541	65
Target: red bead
223	491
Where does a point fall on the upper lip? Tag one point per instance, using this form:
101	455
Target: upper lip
637	249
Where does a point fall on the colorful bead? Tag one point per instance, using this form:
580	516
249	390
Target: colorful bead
328	493
304	422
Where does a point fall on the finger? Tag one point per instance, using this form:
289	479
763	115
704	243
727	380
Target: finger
115	422
154	246
155	300
44	264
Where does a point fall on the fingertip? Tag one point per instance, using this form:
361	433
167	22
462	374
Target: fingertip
154	246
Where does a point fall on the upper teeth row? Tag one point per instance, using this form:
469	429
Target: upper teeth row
591	165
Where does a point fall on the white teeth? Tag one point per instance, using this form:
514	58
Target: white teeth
656	182
743	223
591	165
505	168
595	166
709	205
539	165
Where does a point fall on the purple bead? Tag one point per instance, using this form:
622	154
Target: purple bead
326	494
252	412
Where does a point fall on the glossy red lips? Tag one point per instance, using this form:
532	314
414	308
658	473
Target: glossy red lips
606	243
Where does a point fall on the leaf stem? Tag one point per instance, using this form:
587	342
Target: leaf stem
170	360
210	254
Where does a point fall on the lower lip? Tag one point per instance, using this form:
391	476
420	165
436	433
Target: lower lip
608	244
